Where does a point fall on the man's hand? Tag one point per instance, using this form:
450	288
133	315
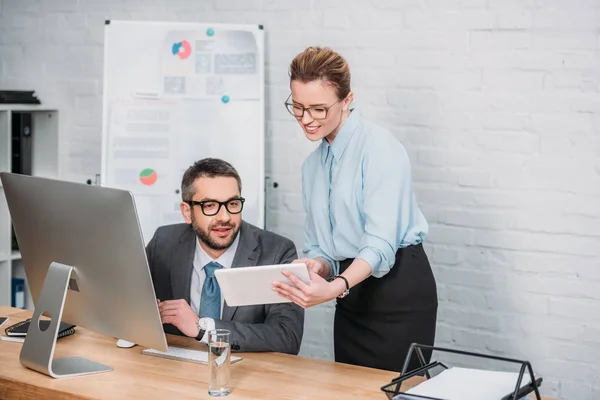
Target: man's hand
180	314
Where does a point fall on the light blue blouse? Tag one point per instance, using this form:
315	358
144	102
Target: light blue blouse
358	197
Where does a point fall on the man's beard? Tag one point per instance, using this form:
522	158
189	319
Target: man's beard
205	237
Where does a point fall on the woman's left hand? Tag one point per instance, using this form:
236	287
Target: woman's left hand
319	291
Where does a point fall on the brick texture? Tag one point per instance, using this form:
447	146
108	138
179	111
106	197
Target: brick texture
496	101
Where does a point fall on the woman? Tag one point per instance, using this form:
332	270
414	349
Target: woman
363	230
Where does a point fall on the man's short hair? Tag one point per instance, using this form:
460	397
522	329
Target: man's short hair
209	168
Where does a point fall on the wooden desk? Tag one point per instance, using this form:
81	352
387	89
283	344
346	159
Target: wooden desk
136	376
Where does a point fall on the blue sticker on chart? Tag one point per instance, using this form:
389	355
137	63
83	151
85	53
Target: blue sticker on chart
225	99
210	31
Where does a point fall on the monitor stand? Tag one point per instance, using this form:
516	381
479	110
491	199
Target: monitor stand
38	349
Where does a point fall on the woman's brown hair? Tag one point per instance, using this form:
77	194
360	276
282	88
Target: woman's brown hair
322	63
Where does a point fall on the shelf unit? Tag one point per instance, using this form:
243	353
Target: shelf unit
45	148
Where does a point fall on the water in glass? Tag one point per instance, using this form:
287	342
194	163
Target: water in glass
219	360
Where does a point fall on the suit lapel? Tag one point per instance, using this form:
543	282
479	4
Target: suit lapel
182	265
246	255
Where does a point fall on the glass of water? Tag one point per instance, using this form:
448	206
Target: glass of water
219	360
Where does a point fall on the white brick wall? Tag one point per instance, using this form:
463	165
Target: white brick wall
496	101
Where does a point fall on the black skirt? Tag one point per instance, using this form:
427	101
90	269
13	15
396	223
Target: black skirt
376	323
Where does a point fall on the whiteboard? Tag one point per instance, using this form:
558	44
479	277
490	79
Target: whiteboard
175	93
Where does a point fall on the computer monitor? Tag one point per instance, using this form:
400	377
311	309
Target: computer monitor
85	264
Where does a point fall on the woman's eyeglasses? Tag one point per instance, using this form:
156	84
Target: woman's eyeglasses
316	112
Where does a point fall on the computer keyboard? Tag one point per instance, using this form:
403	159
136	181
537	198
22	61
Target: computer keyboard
182	354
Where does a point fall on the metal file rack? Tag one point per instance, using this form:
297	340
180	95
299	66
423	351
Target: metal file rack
395	391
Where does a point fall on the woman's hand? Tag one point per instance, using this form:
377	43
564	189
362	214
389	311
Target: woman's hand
318	265
317	292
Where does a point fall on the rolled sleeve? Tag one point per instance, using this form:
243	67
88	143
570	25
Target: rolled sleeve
373	257
379	256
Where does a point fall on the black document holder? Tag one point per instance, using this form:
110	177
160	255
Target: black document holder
393	389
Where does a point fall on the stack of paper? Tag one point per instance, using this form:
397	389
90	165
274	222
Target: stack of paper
469	384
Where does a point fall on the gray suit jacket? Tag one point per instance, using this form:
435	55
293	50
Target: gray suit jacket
271	327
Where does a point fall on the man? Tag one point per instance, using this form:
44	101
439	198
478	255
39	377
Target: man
183	257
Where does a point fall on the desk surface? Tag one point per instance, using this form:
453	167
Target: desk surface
136	376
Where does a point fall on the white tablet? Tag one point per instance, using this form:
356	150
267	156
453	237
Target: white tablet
246	286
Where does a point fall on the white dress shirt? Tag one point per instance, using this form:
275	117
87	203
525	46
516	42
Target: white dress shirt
201	258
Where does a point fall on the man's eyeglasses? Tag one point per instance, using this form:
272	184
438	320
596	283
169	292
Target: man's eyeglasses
212	207
316	112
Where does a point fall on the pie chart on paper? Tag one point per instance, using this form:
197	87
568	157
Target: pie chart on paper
182	49
148	177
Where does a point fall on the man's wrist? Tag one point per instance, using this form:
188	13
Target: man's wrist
197	327
205	325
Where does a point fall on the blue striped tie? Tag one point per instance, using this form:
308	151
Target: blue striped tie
210	299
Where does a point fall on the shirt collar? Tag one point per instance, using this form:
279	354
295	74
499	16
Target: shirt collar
340	142
226	259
